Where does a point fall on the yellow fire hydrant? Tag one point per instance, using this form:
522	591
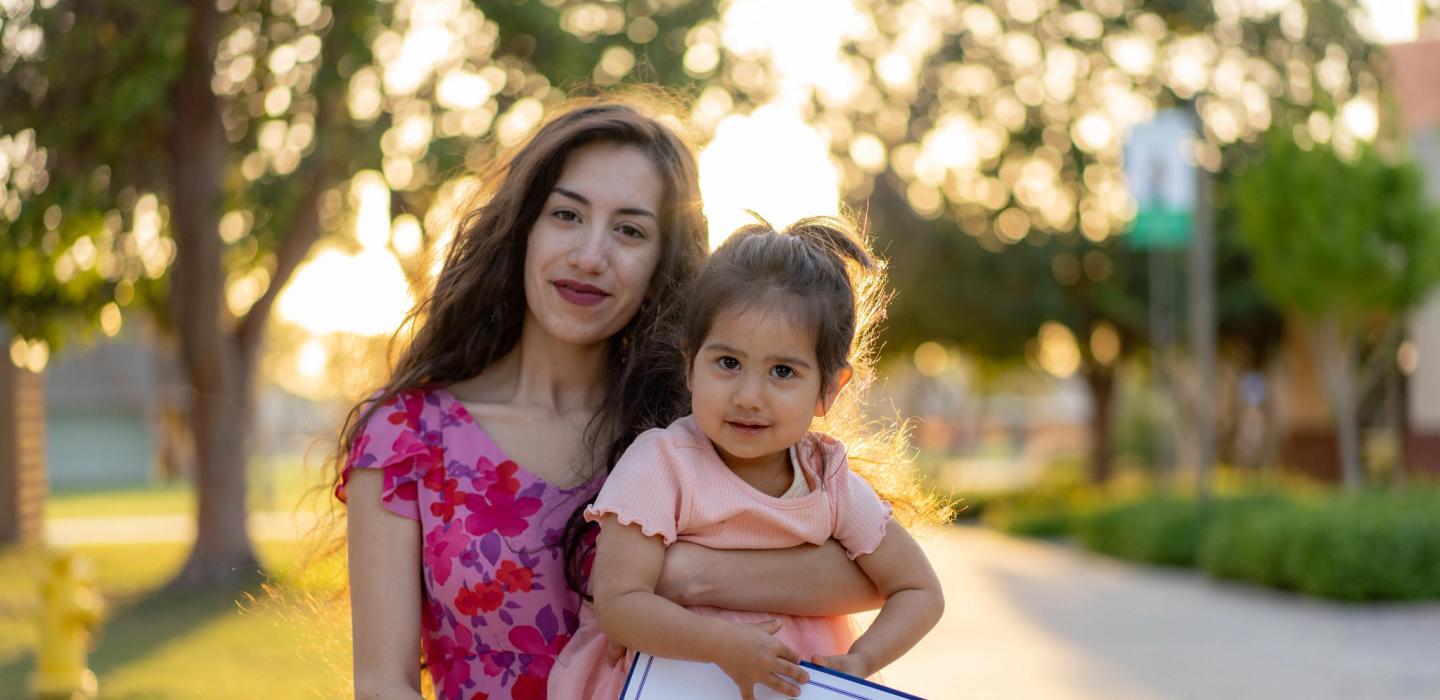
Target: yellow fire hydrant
70	612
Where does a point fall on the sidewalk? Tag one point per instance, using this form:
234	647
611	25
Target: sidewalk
1028	619
165	528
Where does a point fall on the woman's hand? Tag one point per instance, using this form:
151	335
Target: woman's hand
751	654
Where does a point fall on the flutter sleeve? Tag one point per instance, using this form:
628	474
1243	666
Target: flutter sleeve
391	440
860	514
649	487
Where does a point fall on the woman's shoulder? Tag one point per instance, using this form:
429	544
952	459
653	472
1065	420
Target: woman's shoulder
424	414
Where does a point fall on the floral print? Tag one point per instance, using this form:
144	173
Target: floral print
496	611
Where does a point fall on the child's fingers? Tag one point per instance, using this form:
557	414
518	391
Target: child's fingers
819	660
792	670
770	626
782	686
785	652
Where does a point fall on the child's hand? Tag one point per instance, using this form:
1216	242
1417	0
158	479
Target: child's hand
851	664
753	655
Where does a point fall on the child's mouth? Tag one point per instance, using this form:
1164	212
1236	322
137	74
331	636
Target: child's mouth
747	428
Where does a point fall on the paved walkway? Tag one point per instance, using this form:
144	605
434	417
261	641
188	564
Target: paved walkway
1029	619
165	528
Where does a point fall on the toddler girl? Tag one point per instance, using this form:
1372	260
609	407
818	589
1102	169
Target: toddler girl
767	337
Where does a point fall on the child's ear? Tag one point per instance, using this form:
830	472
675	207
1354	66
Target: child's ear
827	397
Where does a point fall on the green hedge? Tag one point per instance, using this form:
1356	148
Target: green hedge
1158	530
1379	546
1371	547
1048	512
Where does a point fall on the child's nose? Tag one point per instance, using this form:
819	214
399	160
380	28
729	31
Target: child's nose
750	393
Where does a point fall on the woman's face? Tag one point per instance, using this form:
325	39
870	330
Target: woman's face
595	245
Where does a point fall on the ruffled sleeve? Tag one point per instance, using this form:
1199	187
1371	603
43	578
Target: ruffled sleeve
860	514
391	440
649	487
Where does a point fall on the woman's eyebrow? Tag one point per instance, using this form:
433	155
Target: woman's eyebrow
633	211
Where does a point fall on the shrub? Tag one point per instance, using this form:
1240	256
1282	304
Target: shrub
1367	548
1159	530
1250	544
1164	529
1048	512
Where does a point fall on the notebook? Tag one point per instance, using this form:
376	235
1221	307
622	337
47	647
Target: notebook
654	678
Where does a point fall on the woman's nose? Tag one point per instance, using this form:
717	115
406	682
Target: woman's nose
590	253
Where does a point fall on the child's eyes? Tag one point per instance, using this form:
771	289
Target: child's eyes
782	371
728	362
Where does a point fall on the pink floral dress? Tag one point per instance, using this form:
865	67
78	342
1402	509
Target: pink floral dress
495	611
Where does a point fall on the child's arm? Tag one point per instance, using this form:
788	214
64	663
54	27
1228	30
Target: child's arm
627	565
913	604
807	580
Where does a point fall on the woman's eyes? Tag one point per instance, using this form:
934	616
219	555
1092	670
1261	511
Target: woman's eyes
627	230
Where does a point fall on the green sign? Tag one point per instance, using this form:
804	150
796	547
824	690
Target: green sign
1161	178
1161	227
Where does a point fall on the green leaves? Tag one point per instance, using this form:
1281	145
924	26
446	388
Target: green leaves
1330	235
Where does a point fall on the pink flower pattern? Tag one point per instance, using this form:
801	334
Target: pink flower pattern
496	611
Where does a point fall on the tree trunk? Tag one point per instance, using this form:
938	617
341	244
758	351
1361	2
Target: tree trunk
215	366
1101	382
1336	349
23	476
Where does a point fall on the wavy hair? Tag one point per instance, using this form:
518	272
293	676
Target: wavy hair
473	316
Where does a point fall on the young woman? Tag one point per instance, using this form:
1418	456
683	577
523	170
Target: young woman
535	362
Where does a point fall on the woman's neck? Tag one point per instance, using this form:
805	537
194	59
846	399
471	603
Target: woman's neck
544	373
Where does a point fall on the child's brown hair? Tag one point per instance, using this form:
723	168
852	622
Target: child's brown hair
821	270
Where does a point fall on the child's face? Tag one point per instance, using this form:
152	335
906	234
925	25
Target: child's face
755	384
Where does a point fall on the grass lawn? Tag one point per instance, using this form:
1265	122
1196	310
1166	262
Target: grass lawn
242	643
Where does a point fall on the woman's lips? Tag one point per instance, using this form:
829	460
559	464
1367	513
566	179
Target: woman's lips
579	293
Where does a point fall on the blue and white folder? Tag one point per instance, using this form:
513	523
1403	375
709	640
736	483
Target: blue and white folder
654	678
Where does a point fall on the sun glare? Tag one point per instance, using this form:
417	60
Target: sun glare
1394	20
363	293
770	162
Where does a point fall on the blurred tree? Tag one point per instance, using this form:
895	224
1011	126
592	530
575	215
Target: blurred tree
1348	245
1006	119
185	157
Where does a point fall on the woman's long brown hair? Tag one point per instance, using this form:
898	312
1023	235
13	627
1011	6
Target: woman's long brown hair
474	315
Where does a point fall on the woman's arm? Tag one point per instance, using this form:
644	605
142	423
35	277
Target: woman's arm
384	593
627	565
913	604
806	580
